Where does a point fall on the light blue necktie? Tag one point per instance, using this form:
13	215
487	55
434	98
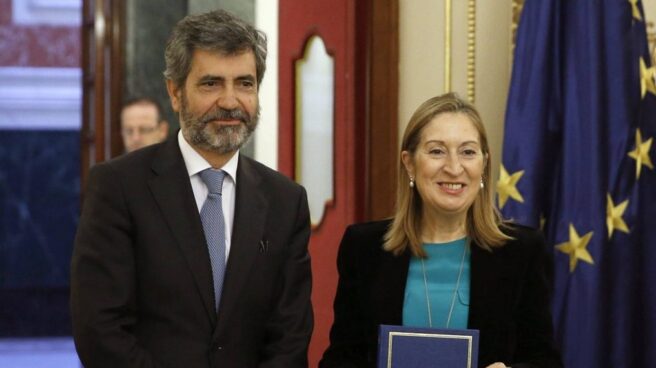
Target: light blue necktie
214	226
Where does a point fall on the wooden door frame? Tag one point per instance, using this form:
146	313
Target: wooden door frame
377	98
376	110
103	28
367	85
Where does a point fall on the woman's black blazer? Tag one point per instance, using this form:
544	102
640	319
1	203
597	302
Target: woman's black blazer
509	300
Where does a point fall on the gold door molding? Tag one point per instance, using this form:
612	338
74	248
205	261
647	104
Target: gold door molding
517	6
471	48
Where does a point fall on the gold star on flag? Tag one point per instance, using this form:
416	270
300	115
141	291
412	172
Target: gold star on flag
576	248
641	153
614	216
647	83
635	10
507	186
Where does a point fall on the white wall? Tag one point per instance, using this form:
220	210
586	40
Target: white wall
266	135
650	10
421	59
422	64
650	14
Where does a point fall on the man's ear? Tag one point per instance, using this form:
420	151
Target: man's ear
174	95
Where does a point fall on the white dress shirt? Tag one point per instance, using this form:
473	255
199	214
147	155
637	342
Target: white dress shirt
195	163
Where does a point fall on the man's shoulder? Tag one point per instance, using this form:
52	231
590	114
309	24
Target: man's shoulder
134	167
268	174
141	157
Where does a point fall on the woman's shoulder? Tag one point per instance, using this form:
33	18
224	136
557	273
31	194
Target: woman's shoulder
369	229
365	236
523	237
519	231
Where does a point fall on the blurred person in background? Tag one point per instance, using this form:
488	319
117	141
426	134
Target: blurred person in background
142	123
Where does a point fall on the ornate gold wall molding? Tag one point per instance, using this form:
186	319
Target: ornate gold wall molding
471	47
471	50
447	45
517	6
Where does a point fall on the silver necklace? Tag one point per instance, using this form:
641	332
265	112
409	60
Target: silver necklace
455	289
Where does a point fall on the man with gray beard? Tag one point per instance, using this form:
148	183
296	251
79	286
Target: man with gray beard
187	253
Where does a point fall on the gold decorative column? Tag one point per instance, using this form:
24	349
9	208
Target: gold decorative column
447	45
470	77
471	50
517	6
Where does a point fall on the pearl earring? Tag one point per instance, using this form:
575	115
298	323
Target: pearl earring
412	182
482	184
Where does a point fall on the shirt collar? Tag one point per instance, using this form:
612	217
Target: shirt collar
195	163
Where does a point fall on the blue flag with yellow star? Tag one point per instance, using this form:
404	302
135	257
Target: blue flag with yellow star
578	158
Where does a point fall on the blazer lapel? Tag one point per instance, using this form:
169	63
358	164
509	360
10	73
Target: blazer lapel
388	291
485	272
247	233
172	191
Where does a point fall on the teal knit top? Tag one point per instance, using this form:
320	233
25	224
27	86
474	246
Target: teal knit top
441	269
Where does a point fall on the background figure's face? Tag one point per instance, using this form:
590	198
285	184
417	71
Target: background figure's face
140	127
447	165
218	105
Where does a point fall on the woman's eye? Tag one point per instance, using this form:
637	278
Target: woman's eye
469	152
435	151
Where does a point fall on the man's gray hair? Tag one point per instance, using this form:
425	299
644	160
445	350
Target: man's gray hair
217	30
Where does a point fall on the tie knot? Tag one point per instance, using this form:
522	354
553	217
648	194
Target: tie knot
213	179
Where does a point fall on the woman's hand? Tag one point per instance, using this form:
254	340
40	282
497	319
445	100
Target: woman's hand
497	365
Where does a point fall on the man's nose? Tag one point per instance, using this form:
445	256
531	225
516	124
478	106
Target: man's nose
228	99
136	135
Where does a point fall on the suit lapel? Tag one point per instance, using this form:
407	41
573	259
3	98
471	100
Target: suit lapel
247	232
172	191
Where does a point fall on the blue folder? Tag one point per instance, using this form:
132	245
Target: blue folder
412	347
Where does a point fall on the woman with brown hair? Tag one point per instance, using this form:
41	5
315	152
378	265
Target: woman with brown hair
446	259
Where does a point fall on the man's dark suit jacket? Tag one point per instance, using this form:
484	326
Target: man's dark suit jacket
141	280
509	301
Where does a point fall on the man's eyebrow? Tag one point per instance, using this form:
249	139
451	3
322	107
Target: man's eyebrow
210	78
214	78
247	77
